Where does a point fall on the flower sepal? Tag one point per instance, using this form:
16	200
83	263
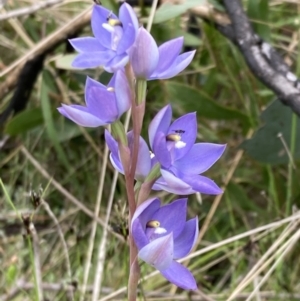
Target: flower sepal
118	132
146	187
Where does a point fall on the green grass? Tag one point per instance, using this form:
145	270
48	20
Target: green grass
228	100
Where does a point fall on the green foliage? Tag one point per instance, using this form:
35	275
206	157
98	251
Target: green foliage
267	144
168	11
24	121
258	11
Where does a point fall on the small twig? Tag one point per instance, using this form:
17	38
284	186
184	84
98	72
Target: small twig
259	56
29	9
264	61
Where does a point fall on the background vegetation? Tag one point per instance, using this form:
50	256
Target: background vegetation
249	235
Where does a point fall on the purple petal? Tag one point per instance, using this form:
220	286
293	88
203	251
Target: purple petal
86	60
80	115
101	102
187	124
169	182
172	217
116	63
168	52
144	161
130	28
144	54
184	243
161	151
180	64
159	252
122	92
200	158
180	276
116	163
89	84
114	156
202	184
88	44
160	123
111	143
99	16
141	217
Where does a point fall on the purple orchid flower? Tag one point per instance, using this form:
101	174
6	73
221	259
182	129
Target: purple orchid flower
181	159
113	39
143	163
162	236
151	62
104	105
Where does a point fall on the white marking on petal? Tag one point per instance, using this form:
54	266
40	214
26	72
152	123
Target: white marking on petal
180	144
160	230
108	27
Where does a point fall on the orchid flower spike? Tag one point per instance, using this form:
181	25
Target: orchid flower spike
162	236
104	105
182	160
151	62
143	163
113	38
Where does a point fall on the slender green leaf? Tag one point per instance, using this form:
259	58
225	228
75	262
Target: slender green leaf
194	99
48	118
24	121
168	11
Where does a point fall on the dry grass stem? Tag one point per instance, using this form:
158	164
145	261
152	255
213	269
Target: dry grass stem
28	10
62	239
95	224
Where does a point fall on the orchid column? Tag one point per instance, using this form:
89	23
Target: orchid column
159	234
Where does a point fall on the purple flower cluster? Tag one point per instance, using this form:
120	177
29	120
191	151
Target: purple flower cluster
161	233
173	146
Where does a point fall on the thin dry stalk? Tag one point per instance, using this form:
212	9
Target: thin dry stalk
95	224
29	9
102	246
62	239
285	249
37	264
287	231
19	29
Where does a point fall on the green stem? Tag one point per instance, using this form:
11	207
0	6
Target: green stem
141	87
